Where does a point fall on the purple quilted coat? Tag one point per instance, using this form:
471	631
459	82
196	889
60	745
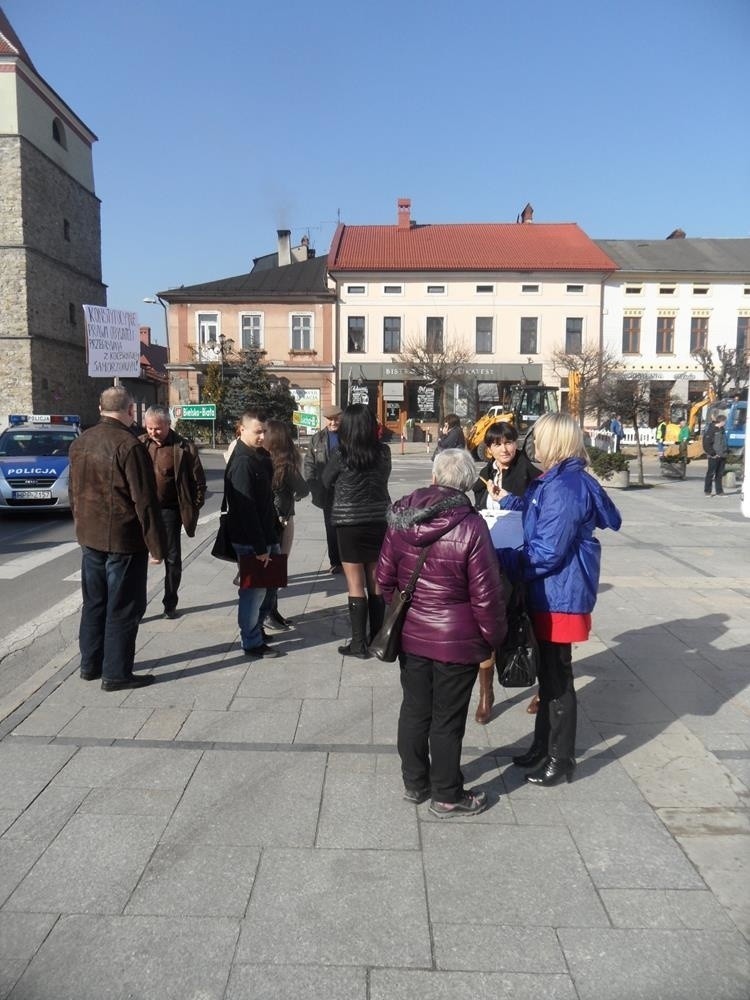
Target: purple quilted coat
458	610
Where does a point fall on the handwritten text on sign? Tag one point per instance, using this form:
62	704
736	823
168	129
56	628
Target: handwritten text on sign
114	342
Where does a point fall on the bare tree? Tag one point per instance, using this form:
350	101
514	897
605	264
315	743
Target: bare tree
626	393
586	370
438	363
728	370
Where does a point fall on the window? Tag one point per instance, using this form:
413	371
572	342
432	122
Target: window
392	289
485	289
355	289
208	328
436	289
58	133
391	334
698	333
631	335
529	338
355	326
483	335
667	289
573	335
574	289
633	289
302	332
665	335
743	330
434	339
66	230
700	289
72	313
251	330
529	288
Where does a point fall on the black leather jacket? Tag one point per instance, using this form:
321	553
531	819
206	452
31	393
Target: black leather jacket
360	495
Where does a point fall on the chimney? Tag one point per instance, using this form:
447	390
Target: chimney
527	215
285	246
677	234
145	332
404	213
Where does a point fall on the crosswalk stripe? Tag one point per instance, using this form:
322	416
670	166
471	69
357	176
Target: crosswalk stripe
17	567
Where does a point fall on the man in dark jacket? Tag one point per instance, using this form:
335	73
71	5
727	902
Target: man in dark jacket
322	445
118	522
252	521
715	447
181	488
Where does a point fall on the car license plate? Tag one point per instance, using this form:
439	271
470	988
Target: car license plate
32	494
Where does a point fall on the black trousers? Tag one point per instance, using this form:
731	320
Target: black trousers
173	558
555	677
714	473
432	723
331	539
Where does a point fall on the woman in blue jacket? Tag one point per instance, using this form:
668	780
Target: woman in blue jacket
559	563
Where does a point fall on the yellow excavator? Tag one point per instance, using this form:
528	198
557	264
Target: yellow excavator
694	417
524	407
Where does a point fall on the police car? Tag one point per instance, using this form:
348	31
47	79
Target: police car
34	461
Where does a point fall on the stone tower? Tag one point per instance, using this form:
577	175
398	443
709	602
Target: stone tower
50	243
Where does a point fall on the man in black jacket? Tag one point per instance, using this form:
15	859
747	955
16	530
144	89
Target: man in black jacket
715	447
252	521
322	445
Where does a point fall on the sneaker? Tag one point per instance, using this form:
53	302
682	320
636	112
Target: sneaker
416	795
264	652
471	804
277	622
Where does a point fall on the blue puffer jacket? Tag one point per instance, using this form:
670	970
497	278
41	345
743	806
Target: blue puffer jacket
560	557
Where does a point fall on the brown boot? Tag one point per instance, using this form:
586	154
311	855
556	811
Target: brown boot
486	695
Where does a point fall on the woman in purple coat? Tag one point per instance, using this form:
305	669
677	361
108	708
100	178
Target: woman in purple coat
456	616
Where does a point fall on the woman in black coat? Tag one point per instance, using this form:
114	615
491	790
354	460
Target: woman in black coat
358	473
501	484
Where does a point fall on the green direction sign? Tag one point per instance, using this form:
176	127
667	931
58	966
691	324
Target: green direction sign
198	411
301	419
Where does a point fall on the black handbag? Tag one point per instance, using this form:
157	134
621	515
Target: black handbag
386	645
222	547
517	660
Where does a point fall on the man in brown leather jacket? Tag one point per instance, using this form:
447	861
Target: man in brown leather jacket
181	488
118	522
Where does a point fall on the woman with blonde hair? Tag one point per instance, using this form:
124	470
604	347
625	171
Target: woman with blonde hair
559	565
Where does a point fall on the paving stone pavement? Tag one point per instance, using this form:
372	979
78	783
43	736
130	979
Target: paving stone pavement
236	830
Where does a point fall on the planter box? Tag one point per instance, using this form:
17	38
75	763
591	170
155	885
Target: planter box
729	480
673	470
617	481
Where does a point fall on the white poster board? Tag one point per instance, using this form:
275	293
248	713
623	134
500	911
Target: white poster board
113	342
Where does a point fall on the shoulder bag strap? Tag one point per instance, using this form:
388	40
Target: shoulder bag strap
409	588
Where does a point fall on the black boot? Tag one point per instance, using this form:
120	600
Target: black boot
563	714
376	611
357	646
538	750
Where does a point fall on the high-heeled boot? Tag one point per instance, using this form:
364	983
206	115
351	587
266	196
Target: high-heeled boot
376	613
539	749
486	695
357	645
561	762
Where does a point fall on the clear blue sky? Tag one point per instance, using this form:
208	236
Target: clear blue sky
220	122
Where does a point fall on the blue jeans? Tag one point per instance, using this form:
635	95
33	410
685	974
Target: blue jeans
114	601
248	607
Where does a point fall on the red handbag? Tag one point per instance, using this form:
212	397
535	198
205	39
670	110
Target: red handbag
254	574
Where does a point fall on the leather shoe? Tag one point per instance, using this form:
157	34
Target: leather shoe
533	756
93	675
171	613
136	681
264	652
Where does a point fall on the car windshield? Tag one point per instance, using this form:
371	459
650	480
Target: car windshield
22	443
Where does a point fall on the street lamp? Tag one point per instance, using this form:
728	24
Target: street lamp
154	300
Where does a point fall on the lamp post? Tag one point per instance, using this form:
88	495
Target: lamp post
154	300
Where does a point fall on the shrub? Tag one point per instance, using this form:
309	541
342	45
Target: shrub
605	463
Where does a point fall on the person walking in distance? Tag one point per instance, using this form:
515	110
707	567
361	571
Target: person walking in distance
118	522
322	446
252	522
181	488
715	447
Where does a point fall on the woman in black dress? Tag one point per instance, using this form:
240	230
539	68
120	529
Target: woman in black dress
358	472
501	484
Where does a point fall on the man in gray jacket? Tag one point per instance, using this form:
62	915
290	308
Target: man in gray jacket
118	522
715	447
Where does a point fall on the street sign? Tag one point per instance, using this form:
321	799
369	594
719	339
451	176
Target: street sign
196	411
302	419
